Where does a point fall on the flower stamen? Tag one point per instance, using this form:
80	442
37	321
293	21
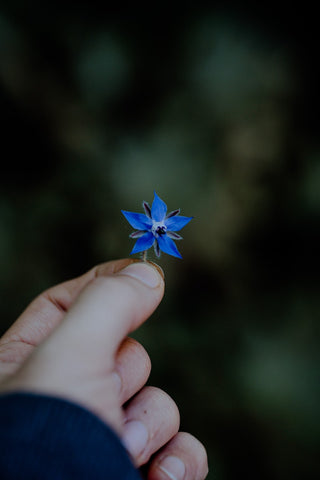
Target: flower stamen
161	230
158	228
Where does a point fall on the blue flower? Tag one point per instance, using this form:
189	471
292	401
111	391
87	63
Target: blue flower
155	227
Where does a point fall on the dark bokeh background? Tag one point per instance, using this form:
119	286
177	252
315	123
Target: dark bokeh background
217	109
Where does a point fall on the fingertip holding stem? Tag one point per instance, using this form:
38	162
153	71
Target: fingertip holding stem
148	273
155	265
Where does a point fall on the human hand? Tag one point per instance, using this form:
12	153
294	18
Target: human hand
72	342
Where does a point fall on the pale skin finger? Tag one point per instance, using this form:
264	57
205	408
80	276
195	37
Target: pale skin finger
183	458
44	314
151	420
133	366
77	360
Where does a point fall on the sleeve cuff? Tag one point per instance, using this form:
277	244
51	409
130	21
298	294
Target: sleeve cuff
47	437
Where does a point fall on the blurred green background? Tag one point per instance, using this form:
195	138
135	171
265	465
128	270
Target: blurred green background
217	109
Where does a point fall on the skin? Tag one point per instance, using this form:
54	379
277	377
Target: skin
72	342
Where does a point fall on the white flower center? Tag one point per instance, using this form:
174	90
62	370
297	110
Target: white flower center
158	228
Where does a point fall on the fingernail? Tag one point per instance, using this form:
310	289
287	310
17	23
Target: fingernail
135	437
155	265
173	467
143	272
117	381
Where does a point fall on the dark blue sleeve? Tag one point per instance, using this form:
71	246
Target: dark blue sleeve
49	438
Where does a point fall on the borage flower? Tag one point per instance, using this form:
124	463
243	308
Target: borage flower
156	228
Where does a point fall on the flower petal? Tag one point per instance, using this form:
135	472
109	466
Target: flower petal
174	224
173	213
158	209
147	209
139	221
168	246
173	235
137	234
143	243
156	248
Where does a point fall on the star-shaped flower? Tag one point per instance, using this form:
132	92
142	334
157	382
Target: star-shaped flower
156	228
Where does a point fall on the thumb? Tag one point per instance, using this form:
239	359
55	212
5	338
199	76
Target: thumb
108	309
82	349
